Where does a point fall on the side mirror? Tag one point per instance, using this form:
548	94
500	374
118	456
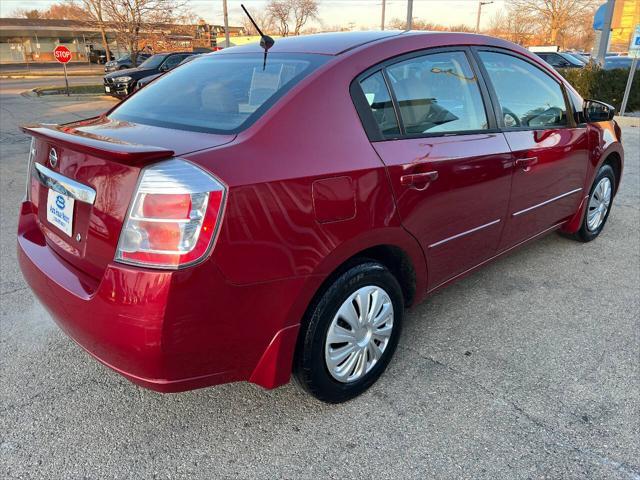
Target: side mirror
595	111
164	68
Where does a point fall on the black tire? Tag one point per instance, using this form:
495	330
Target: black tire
585	234
310	368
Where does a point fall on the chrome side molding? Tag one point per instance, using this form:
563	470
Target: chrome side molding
520	212
64	185
448	239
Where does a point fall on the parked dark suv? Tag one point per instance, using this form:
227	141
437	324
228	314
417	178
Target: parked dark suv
123	82
125	62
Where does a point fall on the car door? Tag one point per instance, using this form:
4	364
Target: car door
551	151
449	166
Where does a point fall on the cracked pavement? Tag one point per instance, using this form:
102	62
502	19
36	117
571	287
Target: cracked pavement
529	368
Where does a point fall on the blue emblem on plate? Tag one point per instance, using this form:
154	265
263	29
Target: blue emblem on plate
60	202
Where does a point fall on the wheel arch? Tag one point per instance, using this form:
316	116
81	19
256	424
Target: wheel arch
395	249
615	160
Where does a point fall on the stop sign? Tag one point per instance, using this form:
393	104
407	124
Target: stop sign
62	54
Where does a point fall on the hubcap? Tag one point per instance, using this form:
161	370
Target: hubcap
359	334
599	204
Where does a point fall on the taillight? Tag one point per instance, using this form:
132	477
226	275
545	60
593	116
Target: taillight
173	217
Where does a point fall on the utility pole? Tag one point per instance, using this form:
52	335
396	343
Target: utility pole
226	23
409	14
480	4
606	32
384	4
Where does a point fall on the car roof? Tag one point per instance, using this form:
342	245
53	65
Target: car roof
332	43
336	43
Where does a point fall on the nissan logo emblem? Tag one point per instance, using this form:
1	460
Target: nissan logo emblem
53	157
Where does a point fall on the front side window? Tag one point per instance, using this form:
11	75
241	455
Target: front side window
438	92
527	96
379	101
217	93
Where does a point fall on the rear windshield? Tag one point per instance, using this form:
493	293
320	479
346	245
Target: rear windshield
217	93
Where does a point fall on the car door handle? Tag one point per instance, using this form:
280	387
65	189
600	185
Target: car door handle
419	181
525	163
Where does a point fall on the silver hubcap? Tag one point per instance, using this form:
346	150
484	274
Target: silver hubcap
599	204
359	334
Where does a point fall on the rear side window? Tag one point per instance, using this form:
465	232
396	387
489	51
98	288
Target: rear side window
379	101
438	92
217	93
527	96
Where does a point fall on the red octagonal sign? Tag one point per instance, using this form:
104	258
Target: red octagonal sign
62	54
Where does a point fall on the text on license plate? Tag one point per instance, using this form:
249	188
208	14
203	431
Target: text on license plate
60	211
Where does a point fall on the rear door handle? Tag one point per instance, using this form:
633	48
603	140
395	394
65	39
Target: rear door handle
419	181
525	163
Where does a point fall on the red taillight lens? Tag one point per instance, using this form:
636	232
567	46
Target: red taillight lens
174	206
173	216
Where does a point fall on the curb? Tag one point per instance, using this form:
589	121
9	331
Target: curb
63	97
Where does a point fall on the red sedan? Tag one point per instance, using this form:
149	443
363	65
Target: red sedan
243	217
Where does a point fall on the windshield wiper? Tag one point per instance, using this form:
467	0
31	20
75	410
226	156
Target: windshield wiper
266	41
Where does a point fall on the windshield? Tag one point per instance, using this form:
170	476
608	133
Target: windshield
153	61
571	59
582	59
124	58
217	93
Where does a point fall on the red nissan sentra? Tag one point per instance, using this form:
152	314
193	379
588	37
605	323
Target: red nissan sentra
243	217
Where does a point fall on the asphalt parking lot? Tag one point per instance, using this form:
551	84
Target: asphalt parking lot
529	368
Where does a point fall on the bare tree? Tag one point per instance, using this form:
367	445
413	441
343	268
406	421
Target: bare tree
129	17
95	11
290	16
554	16
32	14
303	11
264	20
63	10
513	25
280	11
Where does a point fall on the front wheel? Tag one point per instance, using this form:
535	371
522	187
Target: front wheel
598	205
350	333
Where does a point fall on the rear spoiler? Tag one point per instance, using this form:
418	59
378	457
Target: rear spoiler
96	145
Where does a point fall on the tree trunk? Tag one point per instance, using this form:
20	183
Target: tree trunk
104	42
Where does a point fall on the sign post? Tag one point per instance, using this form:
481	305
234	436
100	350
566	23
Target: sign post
634	51
62	54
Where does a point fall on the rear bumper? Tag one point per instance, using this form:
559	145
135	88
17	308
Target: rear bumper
168	331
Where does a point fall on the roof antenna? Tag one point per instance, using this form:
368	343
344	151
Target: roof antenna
266	41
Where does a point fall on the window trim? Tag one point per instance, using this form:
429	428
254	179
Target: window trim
570	114
366	115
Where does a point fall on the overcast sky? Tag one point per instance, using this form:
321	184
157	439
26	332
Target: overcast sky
362	13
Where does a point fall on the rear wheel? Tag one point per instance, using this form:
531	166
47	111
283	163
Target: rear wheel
350	334
598	205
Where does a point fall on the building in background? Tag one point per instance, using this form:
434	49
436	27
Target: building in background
28	41
626	16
